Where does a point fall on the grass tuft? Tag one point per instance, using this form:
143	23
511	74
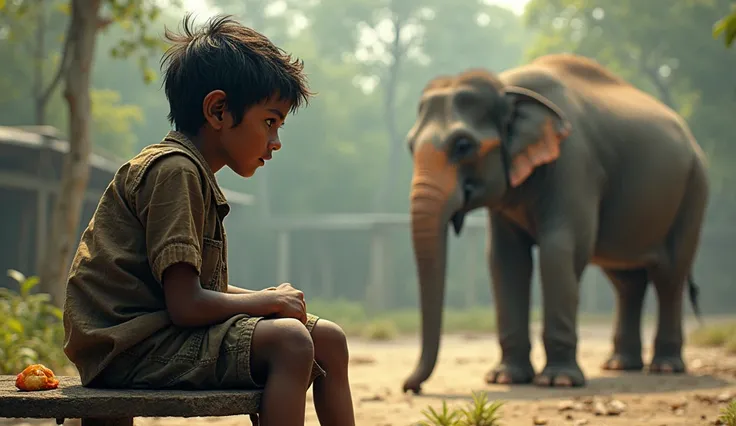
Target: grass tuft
480	412
728	414
715	336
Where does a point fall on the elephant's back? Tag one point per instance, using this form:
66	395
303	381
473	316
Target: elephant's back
605	106
586	84
576	73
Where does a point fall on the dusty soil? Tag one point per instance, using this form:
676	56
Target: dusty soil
378	369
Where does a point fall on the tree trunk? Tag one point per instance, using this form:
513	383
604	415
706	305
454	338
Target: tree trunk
81	36
42	95
38	62
389	108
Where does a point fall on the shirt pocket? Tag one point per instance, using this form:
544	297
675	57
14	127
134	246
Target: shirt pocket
211	264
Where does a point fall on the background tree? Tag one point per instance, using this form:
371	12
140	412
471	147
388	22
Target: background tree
86	20
337	151
726	27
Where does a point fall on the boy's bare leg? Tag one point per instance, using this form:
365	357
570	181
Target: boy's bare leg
281	357
332	399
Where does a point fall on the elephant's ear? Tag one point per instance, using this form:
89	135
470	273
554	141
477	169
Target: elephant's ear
535	128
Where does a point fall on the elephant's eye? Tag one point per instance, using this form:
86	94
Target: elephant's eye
462	148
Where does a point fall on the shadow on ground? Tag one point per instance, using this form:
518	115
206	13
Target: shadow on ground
624	383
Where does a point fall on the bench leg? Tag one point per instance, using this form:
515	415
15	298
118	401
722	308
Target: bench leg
123	421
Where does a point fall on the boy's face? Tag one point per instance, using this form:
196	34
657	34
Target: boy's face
250	144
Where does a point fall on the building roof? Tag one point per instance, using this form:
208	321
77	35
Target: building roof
38	137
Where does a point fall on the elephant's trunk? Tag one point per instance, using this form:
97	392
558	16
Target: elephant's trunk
433	200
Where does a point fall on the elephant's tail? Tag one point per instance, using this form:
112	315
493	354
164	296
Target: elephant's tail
694	290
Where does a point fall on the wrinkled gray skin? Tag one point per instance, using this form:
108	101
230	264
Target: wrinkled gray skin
627	193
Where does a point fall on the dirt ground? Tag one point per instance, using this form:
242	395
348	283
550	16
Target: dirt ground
378	369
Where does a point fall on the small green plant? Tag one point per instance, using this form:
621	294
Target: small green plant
380	330
480	412
32	332
714	335
728	414
730	345
447	417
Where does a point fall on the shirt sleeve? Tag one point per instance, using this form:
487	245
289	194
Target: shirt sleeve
170	205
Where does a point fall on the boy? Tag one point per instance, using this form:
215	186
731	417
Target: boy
148	303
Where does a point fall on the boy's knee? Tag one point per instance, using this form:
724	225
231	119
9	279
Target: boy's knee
285	339
330	343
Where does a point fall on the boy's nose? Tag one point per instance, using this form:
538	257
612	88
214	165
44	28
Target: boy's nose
275	145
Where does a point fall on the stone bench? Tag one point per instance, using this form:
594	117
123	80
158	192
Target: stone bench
108	407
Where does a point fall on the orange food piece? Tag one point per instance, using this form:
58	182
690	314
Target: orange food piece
36	377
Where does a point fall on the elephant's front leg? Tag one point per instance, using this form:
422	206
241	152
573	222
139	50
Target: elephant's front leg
562	258
631	289
511	270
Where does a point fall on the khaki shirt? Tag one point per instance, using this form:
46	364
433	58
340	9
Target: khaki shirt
162	207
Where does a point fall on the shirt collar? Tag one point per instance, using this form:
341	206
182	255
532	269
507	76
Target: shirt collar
183	140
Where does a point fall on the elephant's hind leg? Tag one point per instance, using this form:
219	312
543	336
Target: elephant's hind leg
670	281
631	288
668	340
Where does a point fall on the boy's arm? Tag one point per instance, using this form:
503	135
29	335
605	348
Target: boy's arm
190	305
170	204
237	290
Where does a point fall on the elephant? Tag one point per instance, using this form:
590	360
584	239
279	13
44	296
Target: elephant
565	156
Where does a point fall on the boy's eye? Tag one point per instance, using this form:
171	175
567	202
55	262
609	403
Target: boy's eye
271	121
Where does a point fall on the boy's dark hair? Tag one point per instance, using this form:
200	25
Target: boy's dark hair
224	55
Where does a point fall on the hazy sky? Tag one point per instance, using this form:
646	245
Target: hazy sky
198	6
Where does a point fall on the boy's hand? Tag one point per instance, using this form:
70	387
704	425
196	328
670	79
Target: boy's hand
290	302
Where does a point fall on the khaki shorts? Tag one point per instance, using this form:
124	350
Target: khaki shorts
216	357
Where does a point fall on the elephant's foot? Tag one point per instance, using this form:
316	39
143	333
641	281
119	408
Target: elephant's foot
561	375
667	364
507	373
624	362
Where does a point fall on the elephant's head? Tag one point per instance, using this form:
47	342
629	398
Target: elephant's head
474	141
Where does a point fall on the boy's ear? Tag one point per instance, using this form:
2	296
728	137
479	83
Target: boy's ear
213	108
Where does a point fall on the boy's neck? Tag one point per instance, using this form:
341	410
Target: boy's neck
208	150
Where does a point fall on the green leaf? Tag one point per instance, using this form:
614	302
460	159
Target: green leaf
6	293
14	325
730	32
39	298
149	75
28	352
58	313
16	275
726	25
64	8
2	4
28	284
719	27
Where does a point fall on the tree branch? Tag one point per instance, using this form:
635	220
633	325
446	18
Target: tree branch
103	23
653	73
63	66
